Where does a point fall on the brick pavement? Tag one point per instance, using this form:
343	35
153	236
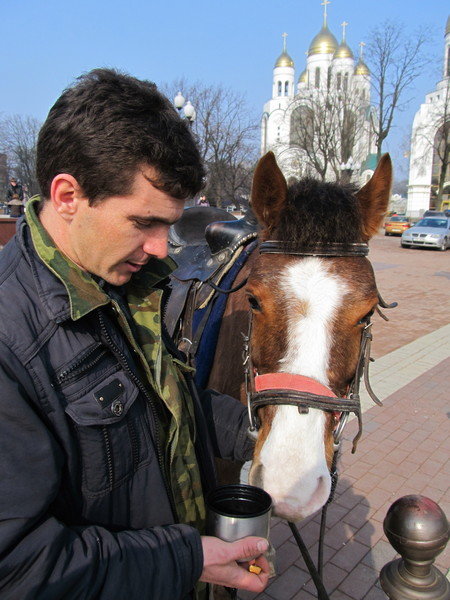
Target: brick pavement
405	449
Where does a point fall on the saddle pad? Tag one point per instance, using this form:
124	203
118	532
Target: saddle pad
205	354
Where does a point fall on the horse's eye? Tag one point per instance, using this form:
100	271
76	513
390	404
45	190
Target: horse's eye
254	304
366	318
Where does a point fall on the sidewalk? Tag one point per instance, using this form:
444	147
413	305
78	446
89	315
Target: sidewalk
405	449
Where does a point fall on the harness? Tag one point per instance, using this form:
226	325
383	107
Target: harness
276	389
286	389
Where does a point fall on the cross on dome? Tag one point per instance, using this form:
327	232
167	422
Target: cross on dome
361	48
325	4
344	25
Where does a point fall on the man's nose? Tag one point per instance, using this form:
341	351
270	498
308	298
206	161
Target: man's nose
156	245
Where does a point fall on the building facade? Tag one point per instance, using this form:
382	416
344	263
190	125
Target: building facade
430	135
320	125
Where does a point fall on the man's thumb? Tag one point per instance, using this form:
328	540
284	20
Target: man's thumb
249	547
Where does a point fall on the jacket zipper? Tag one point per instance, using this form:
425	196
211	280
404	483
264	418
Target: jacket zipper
69	372
124	363
108	456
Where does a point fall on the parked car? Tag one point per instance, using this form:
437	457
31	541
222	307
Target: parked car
434	213
396	225
431	232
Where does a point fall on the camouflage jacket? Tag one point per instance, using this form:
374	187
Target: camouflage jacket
87	501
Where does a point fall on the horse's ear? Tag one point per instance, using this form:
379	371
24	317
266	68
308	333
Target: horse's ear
374	196
269	191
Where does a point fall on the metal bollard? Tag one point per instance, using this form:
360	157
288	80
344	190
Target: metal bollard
418	530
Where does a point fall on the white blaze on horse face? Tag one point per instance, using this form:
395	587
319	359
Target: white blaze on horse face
295	472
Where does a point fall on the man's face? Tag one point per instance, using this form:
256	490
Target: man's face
115	237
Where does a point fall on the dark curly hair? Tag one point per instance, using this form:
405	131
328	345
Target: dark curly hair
106	126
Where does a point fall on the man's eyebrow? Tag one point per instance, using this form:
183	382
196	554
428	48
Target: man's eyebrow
151	220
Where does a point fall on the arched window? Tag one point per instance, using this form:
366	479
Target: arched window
317	79
286	88
448	62
328	78
339	81
345	82
279	88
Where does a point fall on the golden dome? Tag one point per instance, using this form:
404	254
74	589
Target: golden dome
323	43
284	60
361	68
303	77
344	51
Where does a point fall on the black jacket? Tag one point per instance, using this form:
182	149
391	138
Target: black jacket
84	507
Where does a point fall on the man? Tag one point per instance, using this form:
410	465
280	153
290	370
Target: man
105	455
14	190
14	198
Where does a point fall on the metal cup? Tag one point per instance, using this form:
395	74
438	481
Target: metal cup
236	511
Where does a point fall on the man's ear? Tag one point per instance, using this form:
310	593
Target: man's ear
65	194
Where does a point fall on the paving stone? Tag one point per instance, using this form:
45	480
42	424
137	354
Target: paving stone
357	516
379	555
330	584
359	582
340	534
349	555
375	593
370	533
287	584
280	533
286	555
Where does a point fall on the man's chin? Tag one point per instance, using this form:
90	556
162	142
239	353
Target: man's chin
118	278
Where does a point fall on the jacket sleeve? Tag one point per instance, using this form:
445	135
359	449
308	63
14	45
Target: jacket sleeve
42	558
228	423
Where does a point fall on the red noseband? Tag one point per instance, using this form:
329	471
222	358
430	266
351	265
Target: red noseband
289	381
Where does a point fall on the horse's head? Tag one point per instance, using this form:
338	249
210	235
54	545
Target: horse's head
308	313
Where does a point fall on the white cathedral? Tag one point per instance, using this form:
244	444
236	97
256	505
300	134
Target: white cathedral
332	75
426	156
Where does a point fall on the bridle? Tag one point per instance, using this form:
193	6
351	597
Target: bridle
275	389
285	389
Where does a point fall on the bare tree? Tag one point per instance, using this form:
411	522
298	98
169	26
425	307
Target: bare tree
18	138
324	127
395	61
227	136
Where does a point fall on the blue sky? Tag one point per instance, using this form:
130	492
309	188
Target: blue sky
45	44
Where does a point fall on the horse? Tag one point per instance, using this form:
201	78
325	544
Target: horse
307	294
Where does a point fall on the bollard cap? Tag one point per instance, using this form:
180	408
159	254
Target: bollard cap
416	527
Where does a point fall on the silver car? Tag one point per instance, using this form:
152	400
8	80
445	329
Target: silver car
431	232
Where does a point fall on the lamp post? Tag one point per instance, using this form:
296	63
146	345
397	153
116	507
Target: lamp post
348	169
187	108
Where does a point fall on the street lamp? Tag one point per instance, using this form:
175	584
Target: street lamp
187	108
348	169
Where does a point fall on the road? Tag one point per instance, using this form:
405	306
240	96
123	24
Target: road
419	280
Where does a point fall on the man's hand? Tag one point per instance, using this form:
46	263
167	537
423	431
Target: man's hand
220	566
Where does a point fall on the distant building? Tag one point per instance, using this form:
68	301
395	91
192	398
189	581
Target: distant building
332	77
425	161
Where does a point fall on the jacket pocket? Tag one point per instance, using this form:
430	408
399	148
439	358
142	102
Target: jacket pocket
111	431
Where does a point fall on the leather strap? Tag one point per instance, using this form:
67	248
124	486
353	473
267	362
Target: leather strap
334	249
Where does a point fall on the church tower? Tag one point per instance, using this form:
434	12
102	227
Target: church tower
330	77
425	168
